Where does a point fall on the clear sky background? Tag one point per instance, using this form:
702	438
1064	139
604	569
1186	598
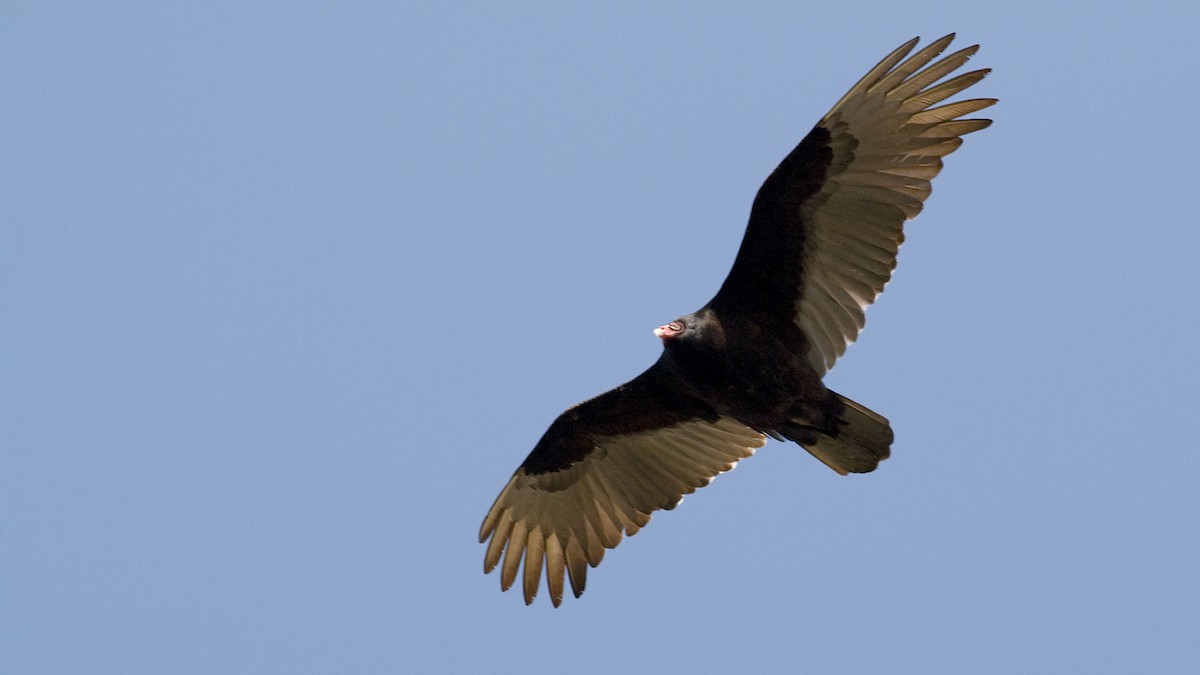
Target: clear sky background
288	290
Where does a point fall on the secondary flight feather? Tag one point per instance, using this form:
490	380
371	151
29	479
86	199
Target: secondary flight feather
821	244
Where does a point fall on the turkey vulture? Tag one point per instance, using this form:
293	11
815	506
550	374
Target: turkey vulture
820	245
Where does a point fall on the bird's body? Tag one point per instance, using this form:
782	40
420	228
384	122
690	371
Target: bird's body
753	373
821	243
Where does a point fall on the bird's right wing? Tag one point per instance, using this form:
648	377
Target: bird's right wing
599	472
827	223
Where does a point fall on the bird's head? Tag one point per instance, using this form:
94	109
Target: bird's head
701	328
671	330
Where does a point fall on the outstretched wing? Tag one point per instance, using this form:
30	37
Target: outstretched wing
599	472
827	223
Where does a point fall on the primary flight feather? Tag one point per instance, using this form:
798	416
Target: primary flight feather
820	246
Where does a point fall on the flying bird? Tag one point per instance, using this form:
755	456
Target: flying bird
821	244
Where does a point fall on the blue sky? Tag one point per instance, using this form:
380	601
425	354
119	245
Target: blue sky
288	291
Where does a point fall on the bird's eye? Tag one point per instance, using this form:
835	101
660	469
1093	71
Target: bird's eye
677	326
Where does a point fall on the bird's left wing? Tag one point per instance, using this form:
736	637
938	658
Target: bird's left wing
827	223
599	472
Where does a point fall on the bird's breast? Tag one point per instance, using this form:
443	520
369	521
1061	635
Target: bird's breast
762	384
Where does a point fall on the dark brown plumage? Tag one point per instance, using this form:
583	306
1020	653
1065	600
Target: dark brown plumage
821	243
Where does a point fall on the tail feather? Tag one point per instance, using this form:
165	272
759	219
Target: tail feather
862	440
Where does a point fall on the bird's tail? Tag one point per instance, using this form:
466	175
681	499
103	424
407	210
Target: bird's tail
862	440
